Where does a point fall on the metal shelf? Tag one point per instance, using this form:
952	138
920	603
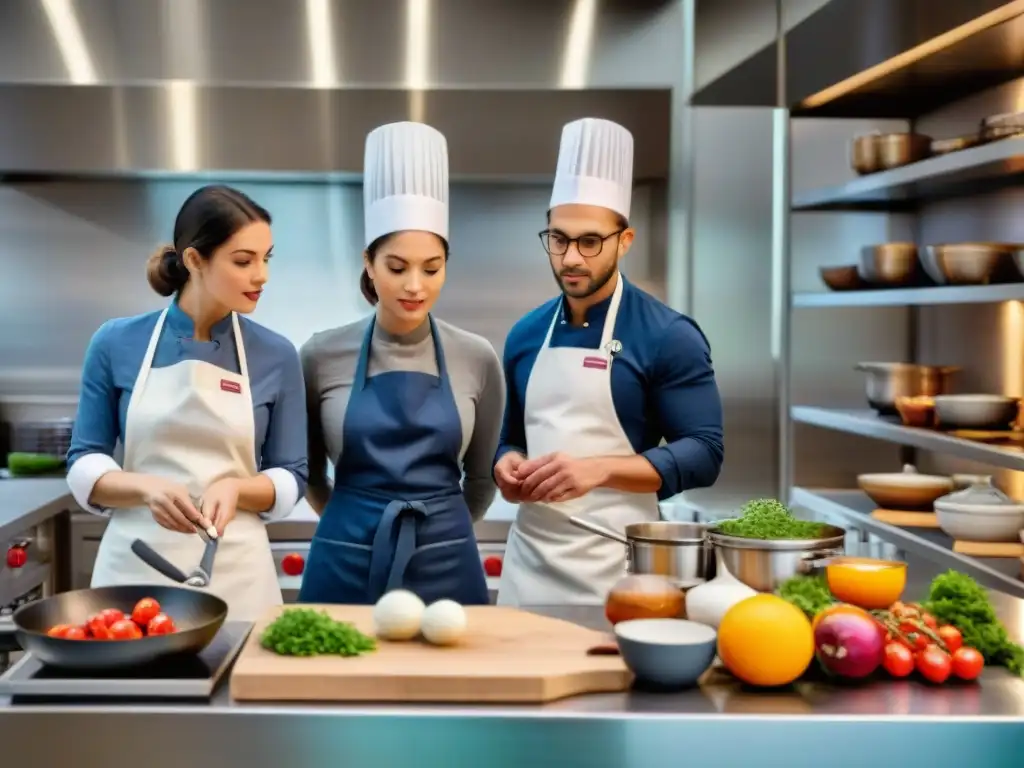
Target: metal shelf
879	59
968	171
929	544
906	297
869	424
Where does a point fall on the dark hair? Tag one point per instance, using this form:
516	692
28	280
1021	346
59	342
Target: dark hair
208	218
365	283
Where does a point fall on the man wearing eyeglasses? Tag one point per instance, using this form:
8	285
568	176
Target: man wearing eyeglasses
597	379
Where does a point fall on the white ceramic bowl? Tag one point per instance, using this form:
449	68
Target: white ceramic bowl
981	523
666	653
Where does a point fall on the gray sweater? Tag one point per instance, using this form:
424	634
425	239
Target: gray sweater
329	364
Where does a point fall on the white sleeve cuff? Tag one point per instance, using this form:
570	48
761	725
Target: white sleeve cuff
286	494
83	476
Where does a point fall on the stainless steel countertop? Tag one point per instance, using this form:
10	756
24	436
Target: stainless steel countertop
25	503
720	723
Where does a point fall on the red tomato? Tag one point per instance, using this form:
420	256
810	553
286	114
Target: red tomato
97	627
145	610
293	564
126	629
951	637
967	663
76	633
492	566
111	616
929	620
898	660
934	664
16	557
59	630
161	624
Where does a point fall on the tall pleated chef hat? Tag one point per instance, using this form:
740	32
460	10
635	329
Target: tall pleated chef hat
595	165
405	180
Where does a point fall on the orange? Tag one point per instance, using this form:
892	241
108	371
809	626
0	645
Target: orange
865	582
765	640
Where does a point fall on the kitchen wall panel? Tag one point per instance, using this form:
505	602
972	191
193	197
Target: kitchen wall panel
73	254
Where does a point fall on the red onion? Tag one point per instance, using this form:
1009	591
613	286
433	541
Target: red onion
849	644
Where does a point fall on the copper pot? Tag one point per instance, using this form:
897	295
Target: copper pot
882	151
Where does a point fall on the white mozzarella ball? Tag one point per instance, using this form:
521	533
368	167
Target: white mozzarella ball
444	622
397	615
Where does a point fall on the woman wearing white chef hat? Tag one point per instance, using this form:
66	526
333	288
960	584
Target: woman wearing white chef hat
208	406
406	408
597	378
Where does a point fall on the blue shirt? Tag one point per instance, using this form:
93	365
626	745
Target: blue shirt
114	357
663	384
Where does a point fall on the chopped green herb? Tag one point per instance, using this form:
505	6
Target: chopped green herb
955	598
305	632
808	593
769	519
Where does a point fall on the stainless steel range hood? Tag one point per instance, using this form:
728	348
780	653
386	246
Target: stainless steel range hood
290	88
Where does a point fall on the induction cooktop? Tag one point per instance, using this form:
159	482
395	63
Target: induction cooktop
182	677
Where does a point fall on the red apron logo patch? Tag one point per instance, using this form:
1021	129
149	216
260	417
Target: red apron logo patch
598	363
231	386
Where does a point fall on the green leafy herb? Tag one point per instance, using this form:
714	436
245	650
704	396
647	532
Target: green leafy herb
955	598
808	593
769	519
305	632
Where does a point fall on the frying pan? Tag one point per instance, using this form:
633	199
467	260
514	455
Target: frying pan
197	614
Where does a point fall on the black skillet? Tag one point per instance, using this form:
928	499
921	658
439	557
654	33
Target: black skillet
197	614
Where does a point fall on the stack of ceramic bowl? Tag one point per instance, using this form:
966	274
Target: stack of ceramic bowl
980	512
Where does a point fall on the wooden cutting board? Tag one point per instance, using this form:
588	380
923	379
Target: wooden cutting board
507	655
903	519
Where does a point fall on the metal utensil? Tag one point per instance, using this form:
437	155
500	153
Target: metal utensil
881	151
973	263
200	576
674	550
885	382
197	615
889	264
763	564
976	411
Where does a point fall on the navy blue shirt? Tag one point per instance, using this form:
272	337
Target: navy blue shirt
115	355
663	384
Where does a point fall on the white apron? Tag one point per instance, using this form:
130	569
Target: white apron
192	423
569	409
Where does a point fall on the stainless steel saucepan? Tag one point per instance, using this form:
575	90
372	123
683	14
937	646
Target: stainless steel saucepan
675	550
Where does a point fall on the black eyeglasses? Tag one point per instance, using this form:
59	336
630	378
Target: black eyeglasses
589	245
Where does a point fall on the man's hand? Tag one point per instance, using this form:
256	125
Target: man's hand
506	474
558	477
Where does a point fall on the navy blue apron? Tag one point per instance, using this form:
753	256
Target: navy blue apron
397	517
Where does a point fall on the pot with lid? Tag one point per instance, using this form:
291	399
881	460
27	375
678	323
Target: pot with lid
980	512
674	550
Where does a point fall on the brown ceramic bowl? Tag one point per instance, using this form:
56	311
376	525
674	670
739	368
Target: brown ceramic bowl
917	411
843	278
904	490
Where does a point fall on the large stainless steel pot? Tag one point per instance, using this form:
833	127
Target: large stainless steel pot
887	381
763	564
677	551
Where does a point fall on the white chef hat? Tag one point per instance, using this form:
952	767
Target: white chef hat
595	165
405	180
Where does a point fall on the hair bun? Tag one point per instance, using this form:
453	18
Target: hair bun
166	271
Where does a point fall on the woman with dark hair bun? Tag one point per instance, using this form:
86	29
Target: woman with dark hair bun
406	408
208	407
